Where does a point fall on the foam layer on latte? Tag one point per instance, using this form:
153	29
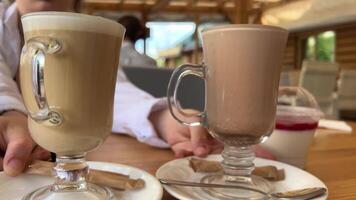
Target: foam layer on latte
233	27
71	22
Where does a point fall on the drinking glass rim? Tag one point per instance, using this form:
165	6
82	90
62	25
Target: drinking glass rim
55	12
245	27
79	16
73	14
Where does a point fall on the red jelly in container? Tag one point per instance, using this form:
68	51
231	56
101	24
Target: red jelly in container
297	119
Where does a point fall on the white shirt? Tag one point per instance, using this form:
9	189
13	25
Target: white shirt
129	57
132	106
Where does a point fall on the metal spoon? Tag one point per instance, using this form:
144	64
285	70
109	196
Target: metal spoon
307	193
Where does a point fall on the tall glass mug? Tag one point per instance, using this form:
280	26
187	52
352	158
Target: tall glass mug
242	66
68	73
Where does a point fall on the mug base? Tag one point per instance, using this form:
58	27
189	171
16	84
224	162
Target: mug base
93	192
232	194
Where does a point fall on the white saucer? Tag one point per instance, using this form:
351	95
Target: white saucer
14	188
179	169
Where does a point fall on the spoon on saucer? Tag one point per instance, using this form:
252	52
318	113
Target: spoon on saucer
307	193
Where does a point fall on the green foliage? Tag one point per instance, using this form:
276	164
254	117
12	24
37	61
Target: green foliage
310	48
325	47
321	47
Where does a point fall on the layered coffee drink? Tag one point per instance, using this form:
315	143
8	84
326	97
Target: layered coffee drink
243	65
78	80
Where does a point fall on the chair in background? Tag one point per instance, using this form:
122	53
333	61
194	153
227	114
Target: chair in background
294	76
285	79
289	78
319	78
191	93
346	93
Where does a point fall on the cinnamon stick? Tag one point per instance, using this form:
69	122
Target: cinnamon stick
268	172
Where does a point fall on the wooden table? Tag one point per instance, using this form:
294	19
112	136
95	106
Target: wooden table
332	158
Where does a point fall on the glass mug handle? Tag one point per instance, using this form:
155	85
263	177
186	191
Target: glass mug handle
39	47
178	74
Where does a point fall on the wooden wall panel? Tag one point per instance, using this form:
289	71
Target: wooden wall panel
345	52
289	61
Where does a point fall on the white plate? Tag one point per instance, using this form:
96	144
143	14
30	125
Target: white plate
179	169
13	188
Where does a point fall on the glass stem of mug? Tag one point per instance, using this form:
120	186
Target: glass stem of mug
238	163
70	173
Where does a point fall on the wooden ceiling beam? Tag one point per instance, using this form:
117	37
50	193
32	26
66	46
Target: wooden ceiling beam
141	7
160	5
191	3
268	5
241	14
236	11
221	3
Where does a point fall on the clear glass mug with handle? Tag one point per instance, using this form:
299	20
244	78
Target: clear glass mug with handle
67	74
241	70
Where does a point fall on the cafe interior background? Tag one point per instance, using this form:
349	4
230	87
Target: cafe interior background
320	54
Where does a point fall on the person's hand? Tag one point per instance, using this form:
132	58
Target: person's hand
184	140
16	145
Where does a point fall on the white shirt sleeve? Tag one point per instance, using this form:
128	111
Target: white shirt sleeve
10	97
132	108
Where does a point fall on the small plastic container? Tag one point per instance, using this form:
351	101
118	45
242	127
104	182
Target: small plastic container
297	119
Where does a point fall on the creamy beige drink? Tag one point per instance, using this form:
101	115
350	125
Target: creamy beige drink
243	65
79	79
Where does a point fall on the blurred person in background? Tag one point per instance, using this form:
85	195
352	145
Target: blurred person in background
135	30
